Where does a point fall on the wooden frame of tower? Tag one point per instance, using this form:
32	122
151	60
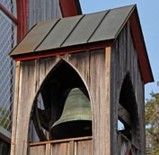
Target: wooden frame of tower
105	54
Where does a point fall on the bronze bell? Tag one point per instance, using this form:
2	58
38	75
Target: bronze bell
76	118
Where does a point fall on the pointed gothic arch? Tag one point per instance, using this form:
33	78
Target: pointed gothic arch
50	99
128	114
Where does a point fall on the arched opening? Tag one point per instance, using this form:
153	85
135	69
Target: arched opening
128	120
51	100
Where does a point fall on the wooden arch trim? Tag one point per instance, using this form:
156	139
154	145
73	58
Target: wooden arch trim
62	60
40	90
128	109
127	83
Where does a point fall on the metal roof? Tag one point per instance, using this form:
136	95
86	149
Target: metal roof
77	30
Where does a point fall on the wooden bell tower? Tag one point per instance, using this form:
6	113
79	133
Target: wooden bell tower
104	55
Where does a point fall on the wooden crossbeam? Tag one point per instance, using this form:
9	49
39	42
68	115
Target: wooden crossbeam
124	115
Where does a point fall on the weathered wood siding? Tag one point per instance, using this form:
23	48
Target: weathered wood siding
29	75
92	69
41	10
63	147
123	60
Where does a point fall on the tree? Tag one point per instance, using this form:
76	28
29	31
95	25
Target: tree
152	124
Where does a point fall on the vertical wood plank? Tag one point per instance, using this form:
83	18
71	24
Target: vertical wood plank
84	147
37	150
25	104
60	149
42	10
99	100
81	62
15	107
25	147
124	60
108	106
71	147
48	149
42	68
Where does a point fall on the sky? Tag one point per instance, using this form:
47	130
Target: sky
149	19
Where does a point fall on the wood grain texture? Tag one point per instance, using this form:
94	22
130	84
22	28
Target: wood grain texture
24	105
124	114
124	61
75	146
42	10
38	150
15	107
81	63
48	149
61	148
92	68
84	148
28	84
107	108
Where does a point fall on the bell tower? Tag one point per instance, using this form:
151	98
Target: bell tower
80	86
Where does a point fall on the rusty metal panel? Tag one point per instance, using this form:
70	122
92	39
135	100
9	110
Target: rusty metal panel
85	29
34	37
60	33
112	24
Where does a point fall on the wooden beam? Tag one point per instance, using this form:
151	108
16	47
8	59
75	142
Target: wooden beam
62	51
15	107
124	115
61	141
108	106
48	149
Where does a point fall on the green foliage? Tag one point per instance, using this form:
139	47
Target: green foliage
152	124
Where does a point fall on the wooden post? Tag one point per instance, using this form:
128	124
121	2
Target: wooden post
48	149
71	152
107	107
15	107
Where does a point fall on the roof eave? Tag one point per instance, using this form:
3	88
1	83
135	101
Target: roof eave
139	43
71	8
63	50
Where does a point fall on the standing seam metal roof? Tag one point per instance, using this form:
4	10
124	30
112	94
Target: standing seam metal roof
75	30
